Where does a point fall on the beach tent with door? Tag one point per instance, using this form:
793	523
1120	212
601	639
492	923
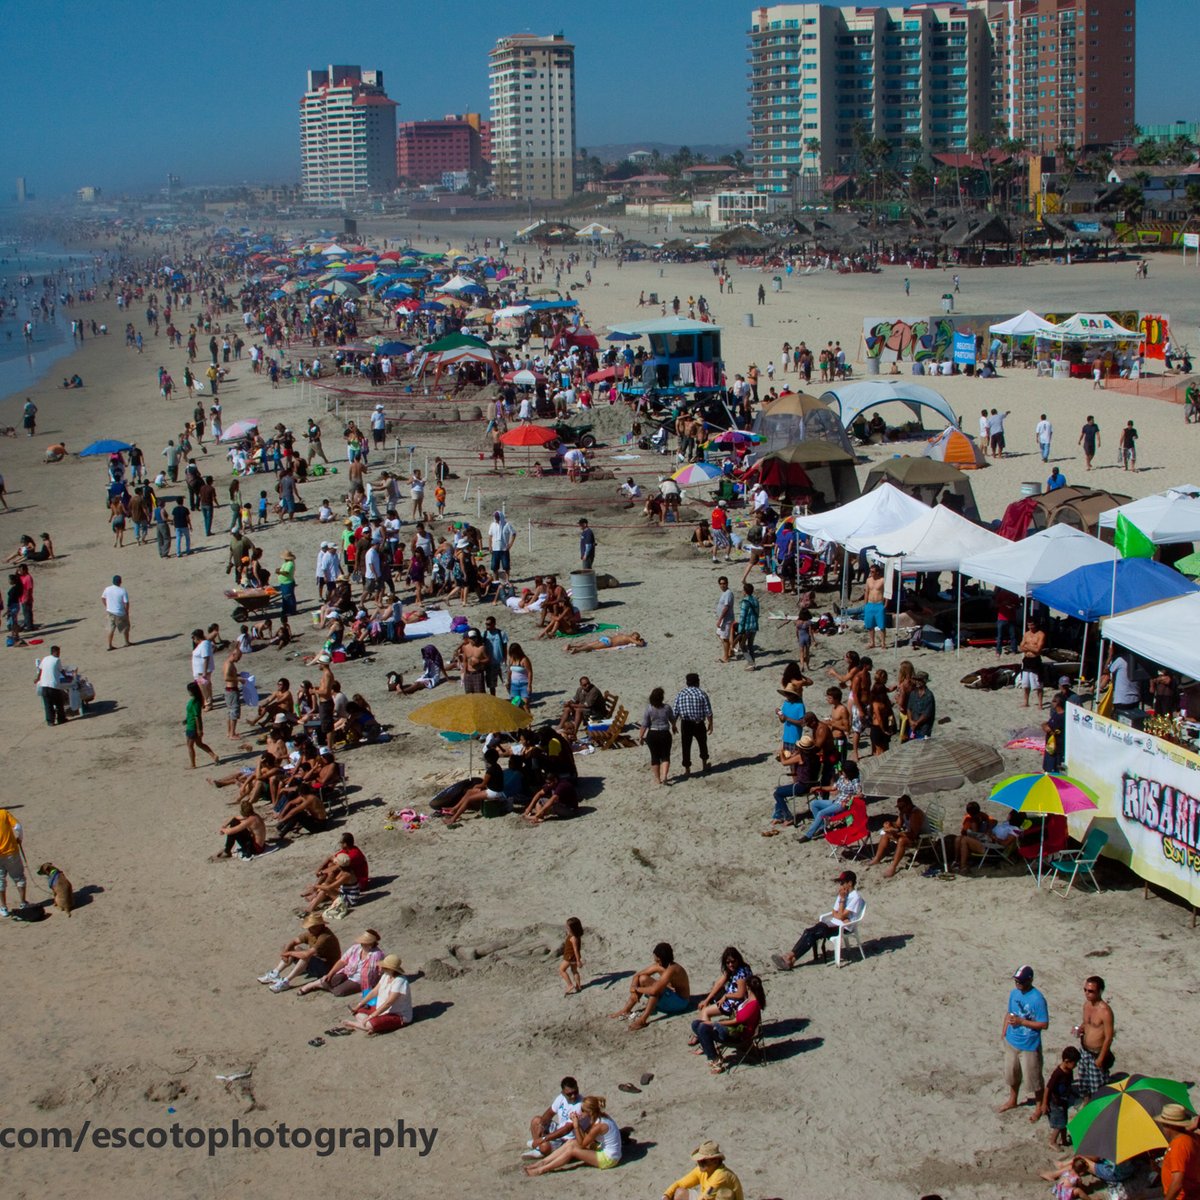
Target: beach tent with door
954	447
815	473
927	480
797	417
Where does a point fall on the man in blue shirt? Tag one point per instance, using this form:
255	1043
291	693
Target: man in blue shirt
1024	1019
1056	480
587	545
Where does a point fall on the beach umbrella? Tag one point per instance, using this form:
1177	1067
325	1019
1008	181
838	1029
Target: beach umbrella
696	474
472	715
1046	795
526	378
104	446
733	437
602	374
432	306
392	348
239	430
529	435
937	765
1118	1123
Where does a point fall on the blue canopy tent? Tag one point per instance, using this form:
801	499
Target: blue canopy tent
393	348
104	446
1102	589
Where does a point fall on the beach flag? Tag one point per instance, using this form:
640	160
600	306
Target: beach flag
1130	541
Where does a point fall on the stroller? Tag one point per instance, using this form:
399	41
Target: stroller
80	692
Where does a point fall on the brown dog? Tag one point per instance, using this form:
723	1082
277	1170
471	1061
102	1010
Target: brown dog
60	885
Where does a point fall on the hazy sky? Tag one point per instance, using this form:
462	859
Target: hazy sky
118	93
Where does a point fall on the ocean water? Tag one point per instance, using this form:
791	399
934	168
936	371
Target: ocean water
21	366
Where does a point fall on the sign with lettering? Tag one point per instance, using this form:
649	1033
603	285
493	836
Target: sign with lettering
1149	799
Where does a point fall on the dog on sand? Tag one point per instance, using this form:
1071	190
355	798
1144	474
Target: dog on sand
60	887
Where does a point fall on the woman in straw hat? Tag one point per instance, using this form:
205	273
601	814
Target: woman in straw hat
356	971
388	1005
710	1177
597	1140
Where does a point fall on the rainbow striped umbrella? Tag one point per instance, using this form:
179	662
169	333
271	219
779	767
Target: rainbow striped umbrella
1044	793
696	474
1053	795
1118	1122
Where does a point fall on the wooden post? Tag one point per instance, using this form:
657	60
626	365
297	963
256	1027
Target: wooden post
530	522
467	489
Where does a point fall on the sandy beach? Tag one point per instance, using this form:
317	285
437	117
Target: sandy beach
882	1078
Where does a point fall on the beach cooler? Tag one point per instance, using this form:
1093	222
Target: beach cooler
774	583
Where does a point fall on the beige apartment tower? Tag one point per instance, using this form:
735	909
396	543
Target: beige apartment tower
532	84
347	135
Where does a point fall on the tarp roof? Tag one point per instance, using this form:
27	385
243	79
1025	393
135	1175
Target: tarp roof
853	399
1023	325
1021	566
864	521
938	540
1088	593
1167	633
1094	327
664	325
1166	519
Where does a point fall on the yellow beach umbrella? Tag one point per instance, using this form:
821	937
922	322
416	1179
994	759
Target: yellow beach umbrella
471	714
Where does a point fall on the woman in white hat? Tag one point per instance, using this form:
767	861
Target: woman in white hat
388	1005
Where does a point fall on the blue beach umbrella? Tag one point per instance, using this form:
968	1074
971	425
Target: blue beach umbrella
104	446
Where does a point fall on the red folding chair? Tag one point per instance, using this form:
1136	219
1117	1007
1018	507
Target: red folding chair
849	832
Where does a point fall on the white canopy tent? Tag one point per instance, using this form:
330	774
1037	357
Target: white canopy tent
938	540
513	312
1093	327
457	284
1166	633
1166	519
1026	324
862	522
595	230
1019	567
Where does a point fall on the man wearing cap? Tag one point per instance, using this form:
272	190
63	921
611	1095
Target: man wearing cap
847	908
316	946
1026	1016
378	426
340	880
116	604
1181	1163
474	657
711	1178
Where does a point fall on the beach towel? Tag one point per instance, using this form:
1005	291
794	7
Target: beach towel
434	623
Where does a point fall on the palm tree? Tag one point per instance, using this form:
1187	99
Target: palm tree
812	147
981	144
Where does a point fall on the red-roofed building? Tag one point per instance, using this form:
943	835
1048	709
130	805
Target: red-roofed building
427	150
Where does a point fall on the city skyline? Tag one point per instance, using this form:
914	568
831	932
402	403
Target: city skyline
134	95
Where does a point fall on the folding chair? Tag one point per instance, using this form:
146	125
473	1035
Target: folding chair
1072	862
931	835
846	934
739	1051
334	794
610	703
1037	855
848	833
610	739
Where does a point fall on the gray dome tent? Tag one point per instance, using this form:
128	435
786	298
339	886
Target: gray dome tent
797	417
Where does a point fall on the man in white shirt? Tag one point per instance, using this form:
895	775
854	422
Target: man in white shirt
116	604
501	536
1044	432
725	615
203	665
847	908
984	431
553	1127
372	572
378	426
1126	697
49	686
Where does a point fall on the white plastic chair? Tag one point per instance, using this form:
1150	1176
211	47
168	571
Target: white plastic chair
931	835
845	934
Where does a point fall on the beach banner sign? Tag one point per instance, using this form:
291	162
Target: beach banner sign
964	348
1148	792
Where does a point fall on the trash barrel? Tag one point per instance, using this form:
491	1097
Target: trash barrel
1031	488
748	320
583	591
872	366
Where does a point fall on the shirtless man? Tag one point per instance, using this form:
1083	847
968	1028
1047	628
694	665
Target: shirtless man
663	985
233	692
325	695
1095	1031
279	701
823	747
839	717
556	600
473	656
247	830
874	614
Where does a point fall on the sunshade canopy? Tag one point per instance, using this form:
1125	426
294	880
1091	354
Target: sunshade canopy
1023	325
1166	519
864	521
1094	327
1102	589
1167	633
1019	567
854	399
938	540
104	446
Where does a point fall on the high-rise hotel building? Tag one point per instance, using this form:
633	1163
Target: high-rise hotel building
1047	71
347	134
532	83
